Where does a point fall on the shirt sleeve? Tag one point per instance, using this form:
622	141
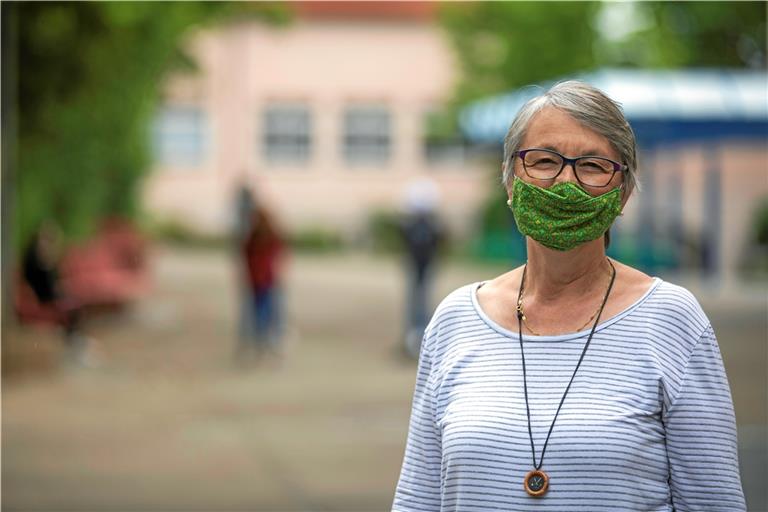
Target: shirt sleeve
418	488
701	436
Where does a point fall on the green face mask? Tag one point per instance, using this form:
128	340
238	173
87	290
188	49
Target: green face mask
563	216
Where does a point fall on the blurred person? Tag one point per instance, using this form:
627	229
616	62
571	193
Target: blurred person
573	382
244	205
40	271
262	252
421	234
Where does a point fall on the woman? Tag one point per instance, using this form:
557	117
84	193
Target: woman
573	382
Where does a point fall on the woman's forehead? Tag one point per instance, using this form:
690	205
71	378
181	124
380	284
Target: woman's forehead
552	128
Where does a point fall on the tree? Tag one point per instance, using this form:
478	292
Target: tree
88	79
685	34
505	45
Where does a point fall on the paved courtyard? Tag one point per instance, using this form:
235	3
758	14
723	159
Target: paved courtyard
168	422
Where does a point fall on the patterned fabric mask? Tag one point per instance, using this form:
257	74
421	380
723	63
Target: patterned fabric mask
563	216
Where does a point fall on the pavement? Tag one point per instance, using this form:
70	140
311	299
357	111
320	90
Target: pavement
169	421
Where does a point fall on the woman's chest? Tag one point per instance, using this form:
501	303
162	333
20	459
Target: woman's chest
610	413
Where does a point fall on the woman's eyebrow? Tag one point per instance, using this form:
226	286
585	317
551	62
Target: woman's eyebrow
588	152
595	152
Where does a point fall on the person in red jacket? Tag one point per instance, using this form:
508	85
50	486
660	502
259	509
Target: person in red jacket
262	252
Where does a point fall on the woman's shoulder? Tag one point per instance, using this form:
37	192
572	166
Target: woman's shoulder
669	321
671	316
656	293
676	300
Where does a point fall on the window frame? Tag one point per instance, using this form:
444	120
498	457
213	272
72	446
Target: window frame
277	142
180	136
367	145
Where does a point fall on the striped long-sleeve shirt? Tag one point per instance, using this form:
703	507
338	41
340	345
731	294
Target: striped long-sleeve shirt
647	425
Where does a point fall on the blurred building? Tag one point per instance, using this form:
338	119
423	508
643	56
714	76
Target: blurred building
327	117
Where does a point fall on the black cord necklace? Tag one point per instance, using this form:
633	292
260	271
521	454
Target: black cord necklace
536	482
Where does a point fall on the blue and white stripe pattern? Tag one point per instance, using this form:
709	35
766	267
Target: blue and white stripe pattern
648	424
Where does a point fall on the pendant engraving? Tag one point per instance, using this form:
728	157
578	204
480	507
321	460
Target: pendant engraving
536	482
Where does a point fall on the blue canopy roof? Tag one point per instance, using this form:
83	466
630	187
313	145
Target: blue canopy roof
662	106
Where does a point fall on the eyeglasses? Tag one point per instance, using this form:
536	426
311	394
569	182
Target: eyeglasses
592	171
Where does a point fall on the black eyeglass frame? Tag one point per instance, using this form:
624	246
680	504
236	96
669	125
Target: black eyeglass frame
617	167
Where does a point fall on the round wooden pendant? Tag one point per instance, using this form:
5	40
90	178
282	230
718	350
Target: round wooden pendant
536	482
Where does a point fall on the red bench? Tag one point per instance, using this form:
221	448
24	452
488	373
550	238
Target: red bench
109	270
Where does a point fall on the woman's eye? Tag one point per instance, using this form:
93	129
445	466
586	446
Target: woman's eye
594	166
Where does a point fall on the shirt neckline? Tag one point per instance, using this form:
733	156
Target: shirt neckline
558	337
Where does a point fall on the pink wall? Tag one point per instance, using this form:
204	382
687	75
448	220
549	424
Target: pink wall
405	65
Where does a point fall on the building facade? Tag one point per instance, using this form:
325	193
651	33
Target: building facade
326	119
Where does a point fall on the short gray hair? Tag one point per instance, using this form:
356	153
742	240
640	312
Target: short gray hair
588	105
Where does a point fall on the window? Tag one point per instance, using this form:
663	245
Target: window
287	133
367	137
443	145
179	136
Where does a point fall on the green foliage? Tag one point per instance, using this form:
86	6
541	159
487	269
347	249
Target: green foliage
441	126
498	238
89	78
760	223
315	240
691	34
503	45
755	258
384	231
175	232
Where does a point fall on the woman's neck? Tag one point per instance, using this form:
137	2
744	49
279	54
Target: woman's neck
555	275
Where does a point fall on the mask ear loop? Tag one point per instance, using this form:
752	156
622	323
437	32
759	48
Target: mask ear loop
512	184
623	190
511	192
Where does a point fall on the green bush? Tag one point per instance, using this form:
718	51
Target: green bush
760	223
384	231
174	232
316	239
